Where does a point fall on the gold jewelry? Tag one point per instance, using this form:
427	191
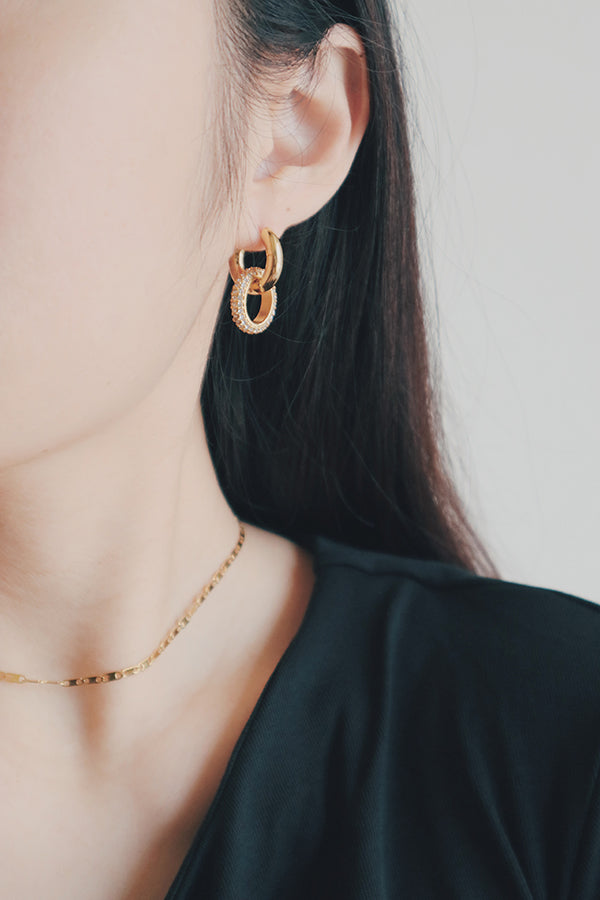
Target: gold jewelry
256	281
169	637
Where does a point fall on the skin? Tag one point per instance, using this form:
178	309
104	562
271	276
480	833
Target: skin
111	517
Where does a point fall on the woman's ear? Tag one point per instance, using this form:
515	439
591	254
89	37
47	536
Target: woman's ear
306	139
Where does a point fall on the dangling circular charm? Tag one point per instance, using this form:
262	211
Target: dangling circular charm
239	302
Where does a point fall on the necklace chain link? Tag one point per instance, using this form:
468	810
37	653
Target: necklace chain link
118	674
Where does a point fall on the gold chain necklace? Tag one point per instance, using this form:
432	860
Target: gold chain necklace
169	637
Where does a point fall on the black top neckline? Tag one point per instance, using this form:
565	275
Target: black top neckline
326	553
321	548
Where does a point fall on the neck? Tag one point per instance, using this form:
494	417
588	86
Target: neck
103	545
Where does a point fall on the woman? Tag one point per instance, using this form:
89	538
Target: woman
358	707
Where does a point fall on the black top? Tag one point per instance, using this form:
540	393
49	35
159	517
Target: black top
428	733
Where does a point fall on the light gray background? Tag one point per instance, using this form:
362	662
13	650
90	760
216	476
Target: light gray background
505	112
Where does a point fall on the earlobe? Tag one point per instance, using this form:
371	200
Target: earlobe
314	134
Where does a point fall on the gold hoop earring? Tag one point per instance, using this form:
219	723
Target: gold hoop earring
256	281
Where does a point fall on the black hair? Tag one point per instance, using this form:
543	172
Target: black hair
328	422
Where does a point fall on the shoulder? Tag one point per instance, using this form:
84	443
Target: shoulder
486	699
525	645
458	609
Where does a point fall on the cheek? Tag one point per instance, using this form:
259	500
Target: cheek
103	112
